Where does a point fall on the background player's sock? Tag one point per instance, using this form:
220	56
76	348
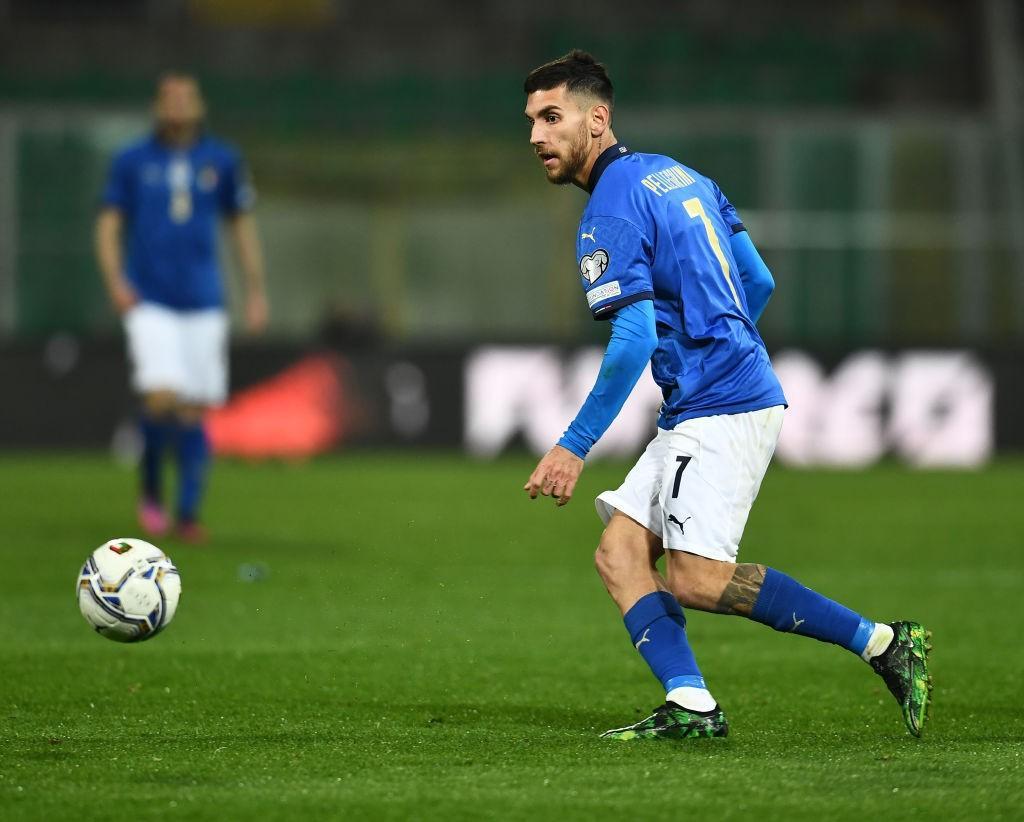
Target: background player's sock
786	605
657	628
193	460
156	431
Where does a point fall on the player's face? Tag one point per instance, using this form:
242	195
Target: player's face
178	109
559	134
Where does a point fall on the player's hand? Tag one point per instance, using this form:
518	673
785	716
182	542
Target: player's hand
123	297
555	475
257	312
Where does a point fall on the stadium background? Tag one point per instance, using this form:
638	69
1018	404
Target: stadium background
872	148
426	313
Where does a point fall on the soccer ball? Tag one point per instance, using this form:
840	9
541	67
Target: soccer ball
128	590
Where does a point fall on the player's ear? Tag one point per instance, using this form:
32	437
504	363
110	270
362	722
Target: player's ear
600	119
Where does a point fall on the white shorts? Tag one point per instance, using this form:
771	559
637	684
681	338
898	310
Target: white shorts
180	351
694	485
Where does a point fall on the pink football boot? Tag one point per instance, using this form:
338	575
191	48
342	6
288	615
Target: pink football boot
191	532
152	518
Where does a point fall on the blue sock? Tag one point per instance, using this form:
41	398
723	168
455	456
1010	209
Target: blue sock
193	460
786	605
155	433
657	629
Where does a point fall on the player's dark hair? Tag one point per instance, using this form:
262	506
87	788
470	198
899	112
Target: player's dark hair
578	71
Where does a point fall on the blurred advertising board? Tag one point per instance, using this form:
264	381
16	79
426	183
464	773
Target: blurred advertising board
926	408
929	408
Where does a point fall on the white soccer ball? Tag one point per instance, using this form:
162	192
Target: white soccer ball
128	590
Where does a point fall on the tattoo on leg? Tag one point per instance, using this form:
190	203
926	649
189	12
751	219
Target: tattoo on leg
741	593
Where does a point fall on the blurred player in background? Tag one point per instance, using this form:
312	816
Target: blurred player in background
663	256
156	244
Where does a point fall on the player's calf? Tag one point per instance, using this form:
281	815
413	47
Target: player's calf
652	616
157	428
897	652
193	451
774	599
780	602
701	583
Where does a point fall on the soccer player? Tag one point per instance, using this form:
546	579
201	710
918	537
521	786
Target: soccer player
156	245
664	256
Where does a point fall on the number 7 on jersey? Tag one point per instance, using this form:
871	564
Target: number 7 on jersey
695	209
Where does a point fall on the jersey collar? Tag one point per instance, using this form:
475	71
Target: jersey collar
155	140
605	159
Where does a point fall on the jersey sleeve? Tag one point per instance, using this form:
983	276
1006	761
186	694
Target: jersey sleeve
729	214
634	338
614	259
757	281
236	191
117	192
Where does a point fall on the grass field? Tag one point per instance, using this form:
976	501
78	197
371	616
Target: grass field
411	638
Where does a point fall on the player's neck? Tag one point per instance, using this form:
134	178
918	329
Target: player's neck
597	148
178	138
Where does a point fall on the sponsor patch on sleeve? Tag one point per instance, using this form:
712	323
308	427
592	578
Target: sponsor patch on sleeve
603	292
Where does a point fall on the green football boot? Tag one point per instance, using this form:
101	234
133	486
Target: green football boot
904	668
671	721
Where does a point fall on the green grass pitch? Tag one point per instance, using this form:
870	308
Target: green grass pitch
410	637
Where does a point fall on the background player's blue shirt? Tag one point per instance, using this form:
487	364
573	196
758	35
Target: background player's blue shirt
657	230
171	200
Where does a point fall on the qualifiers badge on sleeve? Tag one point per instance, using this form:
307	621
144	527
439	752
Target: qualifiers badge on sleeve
592	266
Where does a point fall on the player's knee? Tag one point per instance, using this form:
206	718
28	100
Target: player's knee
190	414
601	561
613	559
160	403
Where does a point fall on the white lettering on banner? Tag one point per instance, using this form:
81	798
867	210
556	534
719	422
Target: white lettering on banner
943	409
835	421
932	408
535	393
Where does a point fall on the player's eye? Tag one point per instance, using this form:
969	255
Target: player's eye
552	118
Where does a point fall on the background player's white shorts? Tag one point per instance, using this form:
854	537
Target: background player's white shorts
180	351
695	484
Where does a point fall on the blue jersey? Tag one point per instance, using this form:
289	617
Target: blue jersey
171	200
657	230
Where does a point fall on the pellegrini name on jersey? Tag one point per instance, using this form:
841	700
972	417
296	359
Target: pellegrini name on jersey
671	179
657	230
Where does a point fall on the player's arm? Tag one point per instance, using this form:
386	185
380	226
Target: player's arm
245	237
758	284
755	277
107	238
633	341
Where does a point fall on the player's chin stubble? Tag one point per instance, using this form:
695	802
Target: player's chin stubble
575	160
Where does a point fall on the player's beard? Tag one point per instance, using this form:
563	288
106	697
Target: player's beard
576	158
